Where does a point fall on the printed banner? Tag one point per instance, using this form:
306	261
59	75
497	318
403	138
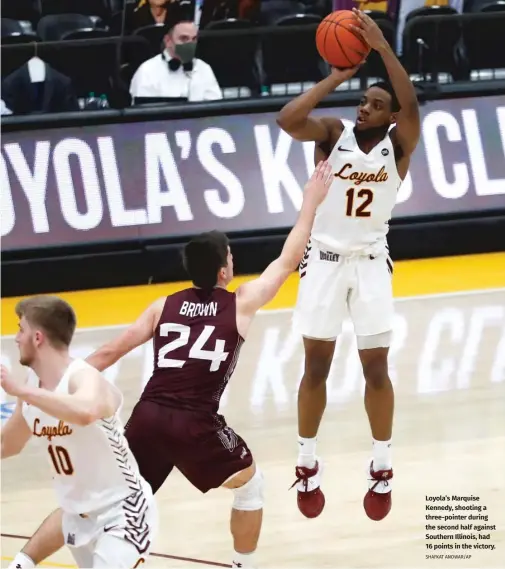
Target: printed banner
175	178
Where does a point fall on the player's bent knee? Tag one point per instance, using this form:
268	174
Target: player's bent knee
249	497
375	341
376	375
318	358
317	370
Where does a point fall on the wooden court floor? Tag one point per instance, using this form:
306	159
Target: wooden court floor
447	364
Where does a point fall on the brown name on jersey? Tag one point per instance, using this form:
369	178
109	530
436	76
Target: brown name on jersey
360	177
198	309
61	430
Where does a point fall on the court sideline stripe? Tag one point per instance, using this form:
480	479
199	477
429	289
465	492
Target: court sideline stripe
160	555
422	276
284	310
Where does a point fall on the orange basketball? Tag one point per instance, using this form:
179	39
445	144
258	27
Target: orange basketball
337	43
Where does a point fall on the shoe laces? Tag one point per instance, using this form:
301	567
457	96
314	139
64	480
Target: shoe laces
381	476
303	473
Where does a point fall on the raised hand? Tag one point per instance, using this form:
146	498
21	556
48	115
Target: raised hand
8	384
344	74
368	30
316	189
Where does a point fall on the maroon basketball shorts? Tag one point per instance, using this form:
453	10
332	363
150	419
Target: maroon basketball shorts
200	445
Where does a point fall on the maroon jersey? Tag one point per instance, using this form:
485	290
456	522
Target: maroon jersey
196	347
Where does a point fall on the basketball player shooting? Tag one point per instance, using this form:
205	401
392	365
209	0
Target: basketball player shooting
197	335
346	266
108	514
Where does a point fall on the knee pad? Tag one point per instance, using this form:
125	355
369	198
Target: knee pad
249	497
382	340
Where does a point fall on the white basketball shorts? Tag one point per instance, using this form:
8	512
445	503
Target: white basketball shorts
333	286
119	536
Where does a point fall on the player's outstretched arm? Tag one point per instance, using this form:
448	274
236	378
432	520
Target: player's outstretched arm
140	332
294	117
90	399
16	432
408	123
252	295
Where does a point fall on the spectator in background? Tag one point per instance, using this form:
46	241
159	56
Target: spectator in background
176	73
150	12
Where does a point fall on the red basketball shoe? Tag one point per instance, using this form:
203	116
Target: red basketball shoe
310	498
378	504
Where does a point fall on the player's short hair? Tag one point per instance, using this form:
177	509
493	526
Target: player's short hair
385	86
203	256
55	317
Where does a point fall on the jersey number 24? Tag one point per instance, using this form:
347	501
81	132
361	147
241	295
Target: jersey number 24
215	356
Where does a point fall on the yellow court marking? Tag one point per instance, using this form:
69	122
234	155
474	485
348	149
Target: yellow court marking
42	563
114	306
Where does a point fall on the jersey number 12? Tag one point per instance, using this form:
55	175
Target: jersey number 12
365	197
215	356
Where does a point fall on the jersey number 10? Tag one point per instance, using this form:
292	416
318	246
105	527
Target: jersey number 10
215	356
358	209
61	460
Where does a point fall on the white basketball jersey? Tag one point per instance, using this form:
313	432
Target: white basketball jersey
354	217
92	466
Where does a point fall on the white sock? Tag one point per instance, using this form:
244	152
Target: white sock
22	561
381	455
307	452
243	560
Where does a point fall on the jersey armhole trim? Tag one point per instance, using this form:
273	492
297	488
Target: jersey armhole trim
235	299
397	147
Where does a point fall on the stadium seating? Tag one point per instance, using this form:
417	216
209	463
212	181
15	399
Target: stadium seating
436	41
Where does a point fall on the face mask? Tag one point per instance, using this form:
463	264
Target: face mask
185	51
